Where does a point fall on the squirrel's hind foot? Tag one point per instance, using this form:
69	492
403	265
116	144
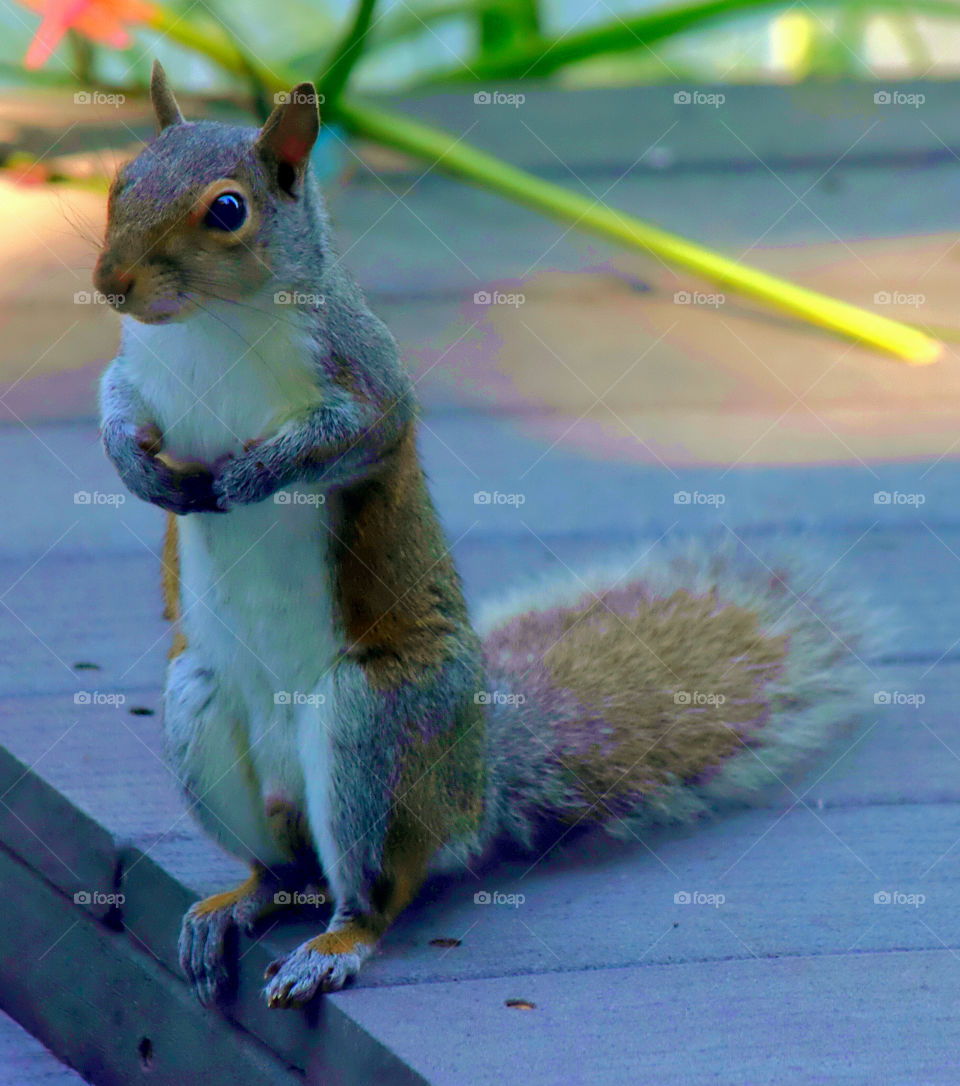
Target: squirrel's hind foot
325	963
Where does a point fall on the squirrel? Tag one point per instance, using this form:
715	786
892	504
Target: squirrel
333	714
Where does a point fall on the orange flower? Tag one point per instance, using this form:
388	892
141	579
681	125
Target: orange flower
101	20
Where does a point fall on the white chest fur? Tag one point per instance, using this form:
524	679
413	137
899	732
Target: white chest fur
255	587
222	377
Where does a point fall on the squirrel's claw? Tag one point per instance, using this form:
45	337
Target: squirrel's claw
149	439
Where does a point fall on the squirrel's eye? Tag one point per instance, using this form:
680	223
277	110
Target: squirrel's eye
227	212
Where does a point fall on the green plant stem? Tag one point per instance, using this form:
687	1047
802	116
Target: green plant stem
345	54
407	23
505	26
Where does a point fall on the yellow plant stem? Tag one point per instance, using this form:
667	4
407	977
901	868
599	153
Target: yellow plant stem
463	161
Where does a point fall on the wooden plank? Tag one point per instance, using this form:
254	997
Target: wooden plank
121	629
74	984
584	128
56	839
564	493
854	1018
793	884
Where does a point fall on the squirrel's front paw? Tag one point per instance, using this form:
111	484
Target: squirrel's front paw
185	490
247	477
203	944
178	488
325	963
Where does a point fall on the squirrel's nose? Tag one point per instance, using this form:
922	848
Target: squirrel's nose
123	281
111	280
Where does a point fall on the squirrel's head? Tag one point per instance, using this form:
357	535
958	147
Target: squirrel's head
207	210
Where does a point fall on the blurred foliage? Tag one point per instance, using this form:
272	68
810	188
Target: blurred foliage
437	42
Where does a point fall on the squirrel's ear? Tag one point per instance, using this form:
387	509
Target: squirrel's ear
164	104
288	135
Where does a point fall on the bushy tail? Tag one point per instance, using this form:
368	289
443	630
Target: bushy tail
662	689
